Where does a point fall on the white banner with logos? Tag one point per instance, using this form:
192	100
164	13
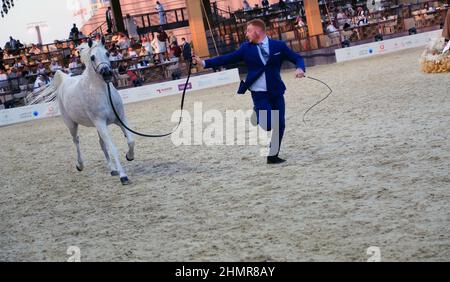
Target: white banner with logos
386	46
130	95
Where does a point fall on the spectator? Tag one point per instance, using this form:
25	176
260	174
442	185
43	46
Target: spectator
115	56
123	42
331	29
174	68
34	50
75	32
173	39
73	63
130	25
132	53
187	52
3	75
143	52
161	12
134	79
159	47
41	69
12	43
54	66
300	22
148	46
265	4
39	82
109	20
123	67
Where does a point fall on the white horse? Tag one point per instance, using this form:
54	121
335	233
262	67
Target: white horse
84	100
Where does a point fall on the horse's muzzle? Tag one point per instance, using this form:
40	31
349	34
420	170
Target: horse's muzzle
107	74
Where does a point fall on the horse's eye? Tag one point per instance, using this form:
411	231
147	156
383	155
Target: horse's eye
93	58
107	54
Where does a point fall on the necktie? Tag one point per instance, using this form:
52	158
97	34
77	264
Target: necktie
263	52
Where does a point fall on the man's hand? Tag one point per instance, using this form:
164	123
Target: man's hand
197	61
299	73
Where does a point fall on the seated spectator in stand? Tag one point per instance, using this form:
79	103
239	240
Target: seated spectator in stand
40	81
148	46
54	66
143	52
74	67
300	22
134	79
123	42
174	69
6	55
115	38
34	50
341	18
123	67
346	34
41	69
132	53
115	56
14	76
3	75
145	58
331	30
17	63
265	4
361	16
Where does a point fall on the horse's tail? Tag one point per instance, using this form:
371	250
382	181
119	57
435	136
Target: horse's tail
49	92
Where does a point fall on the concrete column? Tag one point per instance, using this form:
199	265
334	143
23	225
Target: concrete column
197	27
313	18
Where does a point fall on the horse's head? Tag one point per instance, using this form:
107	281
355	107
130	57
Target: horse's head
96	56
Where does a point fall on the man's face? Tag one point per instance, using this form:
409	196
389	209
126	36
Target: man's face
254	34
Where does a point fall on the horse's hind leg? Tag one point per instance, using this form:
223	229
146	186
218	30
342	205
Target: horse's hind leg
108	159
73	128
130	139
103	132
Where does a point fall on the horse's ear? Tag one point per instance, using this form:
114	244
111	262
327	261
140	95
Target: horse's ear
103	40
90	43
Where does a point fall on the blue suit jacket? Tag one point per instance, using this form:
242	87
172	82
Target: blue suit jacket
248	53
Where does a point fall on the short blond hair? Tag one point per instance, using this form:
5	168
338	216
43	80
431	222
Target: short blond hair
257	22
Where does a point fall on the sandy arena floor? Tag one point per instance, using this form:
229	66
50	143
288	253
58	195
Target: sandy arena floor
371	168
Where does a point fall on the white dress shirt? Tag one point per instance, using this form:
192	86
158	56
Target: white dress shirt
261	84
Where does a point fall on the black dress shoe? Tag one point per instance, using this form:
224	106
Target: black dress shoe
275	160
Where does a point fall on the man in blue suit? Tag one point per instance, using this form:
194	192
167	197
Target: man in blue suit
263	57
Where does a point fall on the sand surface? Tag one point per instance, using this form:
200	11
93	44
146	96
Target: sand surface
371	168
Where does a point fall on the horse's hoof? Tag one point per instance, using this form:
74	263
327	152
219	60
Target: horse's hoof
128	159
114	173
78	168
124	180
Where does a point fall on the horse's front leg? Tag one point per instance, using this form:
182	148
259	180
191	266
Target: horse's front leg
104	134
108	159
